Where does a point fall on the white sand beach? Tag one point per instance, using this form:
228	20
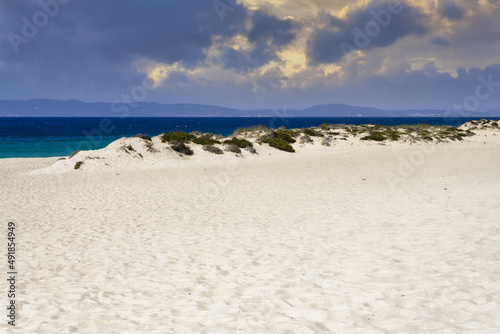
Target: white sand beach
358	237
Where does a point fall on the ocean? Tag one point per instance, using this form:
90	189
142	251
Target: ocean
54	136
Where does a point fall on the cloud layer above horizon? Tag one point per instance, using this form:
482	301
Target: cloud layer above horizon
253	54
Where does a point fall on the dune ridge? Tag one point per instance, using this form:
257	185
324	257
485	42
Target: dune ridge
145	152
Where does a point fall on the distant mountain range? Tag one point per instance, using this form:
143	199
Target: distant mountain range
75	108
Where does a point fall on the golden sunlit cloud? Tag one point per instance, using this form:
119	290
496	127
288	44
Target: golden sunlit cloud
159	72
291	66
331	69
294	62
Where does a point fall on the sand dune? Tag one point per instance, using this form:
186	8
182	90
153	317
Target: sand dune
352	238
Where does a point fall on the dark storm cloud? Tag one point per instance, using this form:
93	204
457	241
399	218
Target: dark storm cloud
451	11
441	41
267	34
376	26
89	48
166	31
100	40
244	61
269	28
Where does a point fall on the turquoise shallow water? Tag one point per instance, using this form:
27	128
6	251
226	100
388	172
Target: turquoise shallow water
51	137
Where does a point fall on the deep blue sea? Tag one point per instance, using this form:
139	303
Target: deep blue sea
52	137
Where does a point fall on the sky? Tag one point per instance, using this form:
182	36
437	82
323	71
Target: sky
414	54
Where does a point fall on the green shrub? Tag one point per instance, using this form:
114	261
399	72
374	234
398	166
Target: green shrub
313	133
255	128
377	127
423	133
205	141
182	137
376	136
278	143
130	148
241	143
182	148
212	149
232	148
286	135
422	130
416	128
392	134
356	130
452	135
177	136
78	164
495	124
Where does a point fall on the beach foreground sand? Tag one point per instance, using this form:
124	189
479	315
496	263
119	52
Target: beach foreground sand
362	238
